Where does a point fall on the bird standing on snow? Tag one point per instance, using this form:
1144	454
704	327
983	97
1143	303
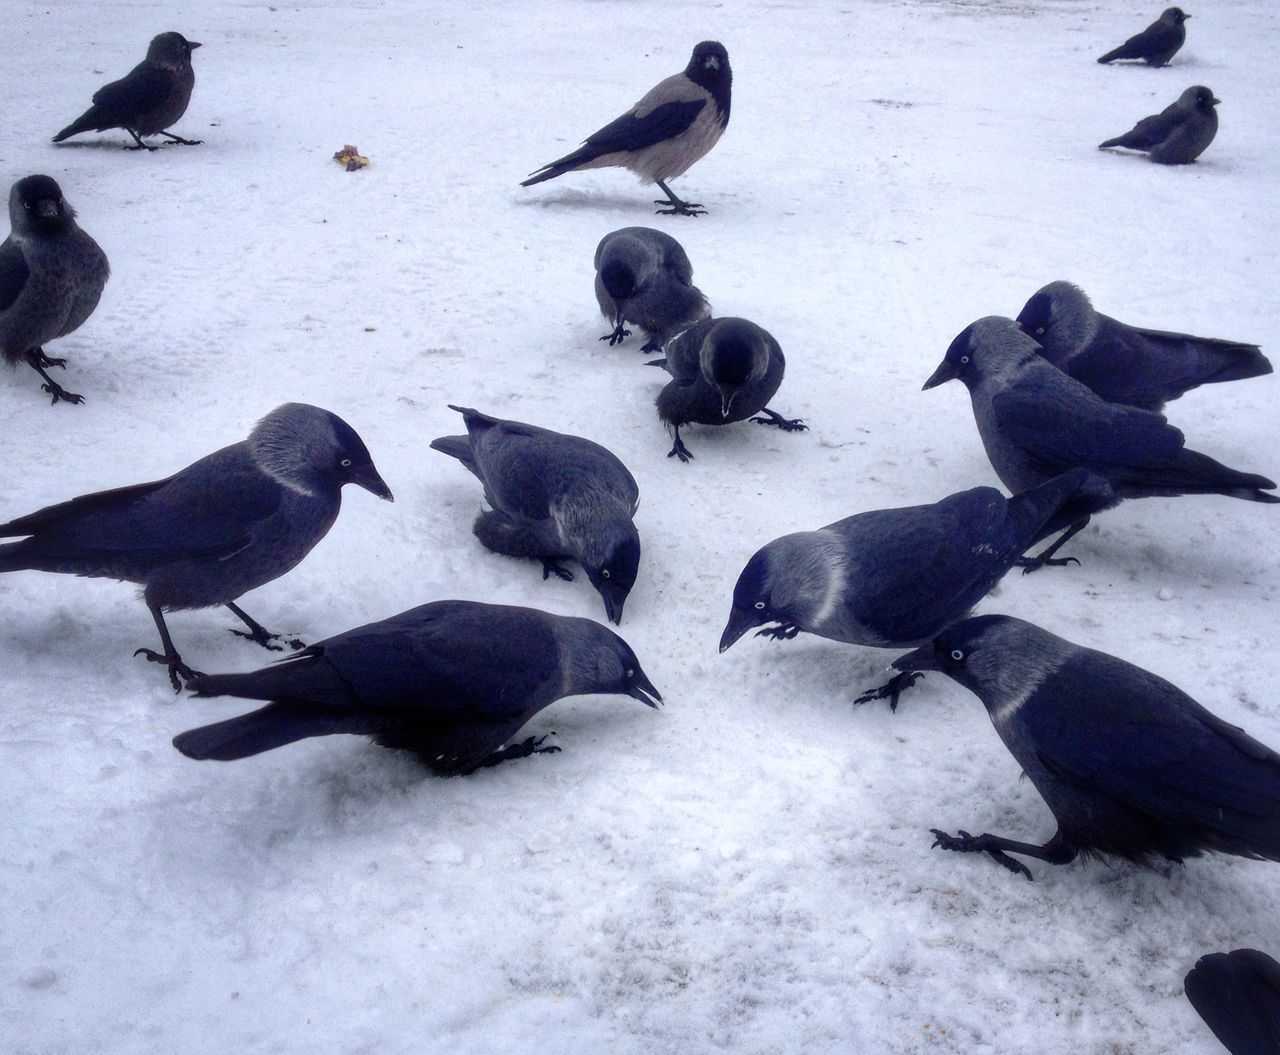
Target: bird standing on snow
1179	133
644	277
148	99
224	525
1156	44
1127	364
451	681
51	277
894	578
554	497
678	121
1036	422
723	370
1238	996
1129	765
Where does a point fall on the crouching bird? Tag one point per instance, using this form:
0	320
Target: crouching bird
644	276
678	121
450	681
1178	134
1129	764
1238	996
224	525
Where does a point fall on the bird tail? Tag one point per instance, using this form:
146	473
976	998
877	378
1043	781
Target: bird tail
265	729
1193	473
1113	54
1209	360
565	164
89	121
15	556
1056	504
456	447
1119	141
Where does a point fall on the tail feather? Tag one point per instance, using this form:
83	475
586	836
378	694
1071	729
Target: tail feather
568	163
1116	53
456	447
265	729
305	678
90	121
1194	473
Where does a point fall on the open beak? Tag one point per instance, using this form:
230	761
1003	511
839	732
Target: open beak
946	371
923	658
366	476
642	689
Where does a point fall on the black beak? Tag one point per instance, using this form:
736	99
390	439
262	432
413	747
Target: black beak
740	621
642	689
946	371
193	44
47	208
727	394
614	598
366	476
923	658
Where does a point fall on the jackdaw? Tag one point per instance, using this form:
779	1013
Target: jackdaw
1036	422
1179	133
148	99
224	525
1127	364
51	276
1129	765
678	120
1156	44
451	681
1238	996
723	370
894	578
554	497
644	277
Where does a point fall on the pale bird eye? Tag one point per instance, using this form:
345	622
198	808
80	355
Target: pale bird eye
759	606
605	574
964	358
957	655
346	463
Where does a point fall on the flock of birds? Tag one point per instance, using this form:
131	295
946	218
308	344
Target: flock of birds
1067	403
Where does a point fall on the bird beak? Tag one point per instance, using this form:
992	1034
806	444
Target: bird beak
740	621
727	395
47	208
614	598
1216	101
642	689
193	44
923	658
946	371
368	478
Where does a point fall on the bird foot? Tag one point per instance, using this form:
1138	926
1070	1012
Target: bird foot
38	358
550	567
785	424
891	689
783	632
264	638
59	393
680	451
181	141
1030	564
531	746
616	335
680	208
649	347
174	663
142	146
971	844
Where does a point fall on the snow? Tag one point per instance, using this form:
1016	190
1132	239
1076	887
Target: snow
748	871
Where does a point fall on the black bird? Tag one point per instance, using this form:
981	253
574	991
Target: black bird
148	99
722	370
224	525
1238	996
1036	422
451	681
51	277
678	121
894	578
1179	133
644	277
1156	44
554	497
1129	764
1127	364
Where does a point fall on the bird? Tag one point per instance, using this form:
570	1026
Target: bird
1238	995
1156	44
1035	422
1127	364
722	370
894	578
1129	765
51	277
554	497
1179	133
643	276
148	99
224	525
450	681
676	122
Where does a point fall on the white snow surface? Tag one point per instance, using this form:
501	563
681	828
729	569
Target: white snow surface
750	869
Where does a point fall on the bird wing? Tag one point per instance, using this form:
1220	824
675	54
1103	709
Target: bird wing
682	352
13	272
1153	130
669	108
140	86
1238	996
1157	37
1061	423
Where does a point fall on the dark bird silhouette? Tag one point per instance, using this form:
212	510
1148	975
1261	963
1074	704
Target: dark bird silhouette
722	370
1127	364
51	276
554	497
893	578
148	99
451	681
1156	44
1179	133
1238	996
644	277
1036	422
224	525
678	121
1129	765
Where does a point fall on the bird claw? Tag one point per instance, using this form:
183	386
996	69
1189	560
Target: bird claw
142	146
40	359
970	844
649	347
680	208
264	639
1030	564
175	665
784	632
785	424
680	451
891	689
59	393
554	567
616	335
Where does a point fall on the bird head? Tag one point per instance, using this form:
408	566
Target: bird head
782	583
597	660
171	49
987	347
709	65
1201	98
36	204
614	572
734	353
1174	16
618	278
313	451
1059	318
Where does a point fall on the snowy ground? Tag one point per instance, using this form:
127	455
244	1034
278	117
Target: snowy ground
748	871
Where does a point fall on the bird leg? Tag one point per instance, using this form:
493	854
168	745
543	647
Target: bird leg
259	634
891	689
1045	557
616	335
678	207
650	346
37	360
782	632
170	658
785	424
552	566
1055	852
679	450
178	139
531	746
138	140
